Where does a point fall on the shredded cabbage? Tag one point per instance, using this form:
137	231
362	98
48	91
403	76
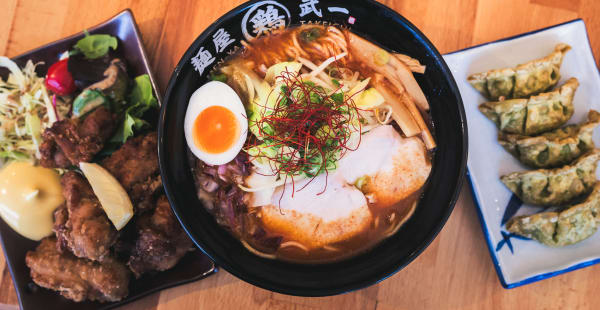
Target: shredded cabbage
25	111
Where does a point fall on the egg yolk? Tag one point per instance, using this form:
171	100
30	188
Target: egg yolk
215	130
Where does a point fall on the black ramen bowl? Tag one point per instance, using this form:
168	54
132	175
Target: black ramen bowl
380	25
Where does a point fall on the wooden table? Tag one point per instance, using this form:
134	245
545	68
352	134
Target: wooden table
455	272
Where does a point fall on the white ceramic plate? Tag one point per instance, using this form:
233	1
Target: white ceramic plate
518	260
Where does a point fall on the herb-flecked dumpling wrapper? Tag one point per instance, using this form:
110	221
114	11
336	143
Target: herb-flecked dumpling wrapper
523	80
551	187
556	229
538	114
555	148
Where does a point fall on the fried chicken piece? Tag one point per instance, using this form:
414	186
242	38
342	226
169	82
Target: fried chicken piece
161	242
71	141
83	227
61	216
135	165
76	278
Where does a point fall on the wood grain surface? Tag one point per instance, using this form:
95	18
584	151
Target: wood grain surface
455	272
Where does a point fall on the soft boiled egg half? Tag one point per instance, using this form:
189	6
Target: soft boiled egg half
215	123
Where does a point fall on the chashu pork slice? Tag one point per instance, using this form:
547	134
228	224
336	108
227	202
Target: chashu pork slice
314	219
387	167
391	167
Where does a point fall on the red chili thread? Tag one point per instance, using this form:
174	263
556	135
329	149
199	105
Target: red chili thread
294	122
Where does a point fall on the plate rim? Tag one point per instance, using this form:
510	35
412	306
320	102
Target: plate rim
472	186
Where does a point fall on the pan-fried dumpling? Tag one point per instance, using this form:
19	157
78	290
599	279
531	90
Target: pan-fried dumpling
555	148
554	186
556	229
522	81
535	115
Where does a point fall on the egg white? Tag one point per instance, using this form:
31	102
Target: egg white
215	94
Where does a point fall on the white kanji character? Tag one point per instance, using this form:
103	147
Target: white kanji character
308	6
221	40
263	21
202	60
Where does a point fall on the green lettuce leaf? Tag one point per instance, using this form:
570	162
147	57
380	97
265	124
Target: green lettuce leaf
141	97
126	130
96	45
140	100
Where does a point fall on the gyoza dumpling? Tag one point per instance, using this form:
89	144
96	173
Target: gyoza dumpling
556	229
554	186
522	81
535	115
555	148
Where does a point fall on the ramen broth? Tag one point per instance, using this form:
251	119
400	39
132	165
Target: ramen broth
385	223
226	194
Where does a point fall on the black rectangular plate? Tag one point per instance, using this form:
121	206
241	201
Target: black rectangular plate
192	267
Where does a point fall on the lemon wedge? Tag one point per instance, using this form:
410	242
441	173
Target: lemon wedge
112	195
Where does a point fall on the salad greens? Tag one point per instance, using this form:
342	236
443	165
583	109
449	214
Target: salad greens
142	97
96	45
25	111
27	107
140	100
87	101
